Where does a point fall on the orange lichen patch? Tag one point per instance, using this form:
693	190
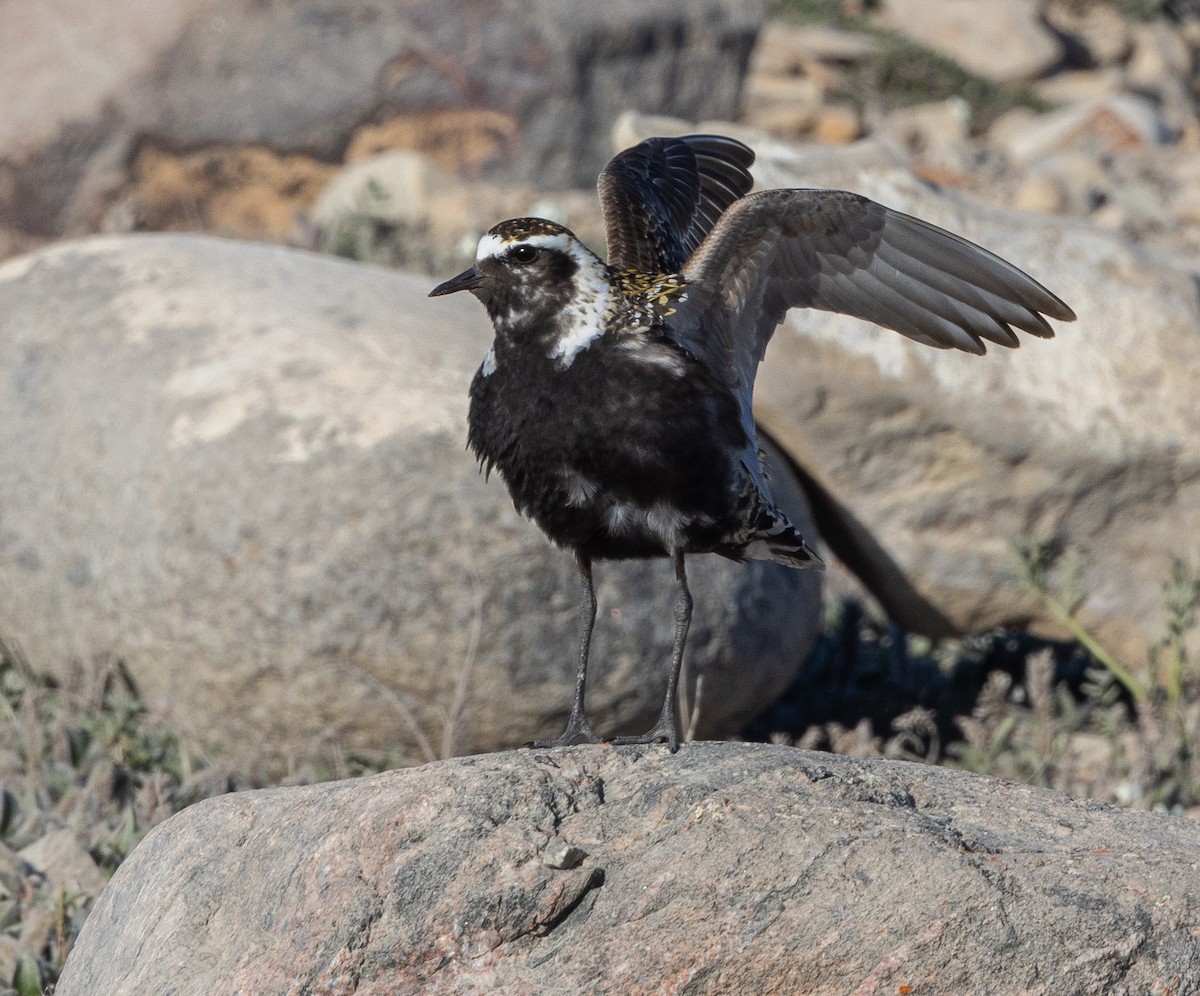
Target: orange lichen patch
238	190
1108	130
837	124
940	175
464	140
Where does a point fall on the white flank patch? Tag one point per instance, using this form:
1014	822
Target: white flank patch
655	354
619	518
489	363
580	490
664	522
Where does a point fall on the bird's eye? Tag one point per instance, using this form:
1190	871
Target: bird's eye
522	254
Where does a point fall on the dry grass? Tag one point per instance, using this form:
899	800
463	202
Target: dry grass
1071	717
85	756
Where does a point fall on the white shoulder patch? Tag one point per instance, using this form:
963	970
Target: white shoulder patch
655	354
586	317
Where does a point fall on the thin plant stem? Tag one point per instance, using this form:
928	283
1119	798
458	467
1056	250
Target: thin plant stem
1115	667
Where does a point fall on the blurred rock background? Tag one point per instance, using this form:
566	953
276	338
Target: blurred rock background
298	122
152	558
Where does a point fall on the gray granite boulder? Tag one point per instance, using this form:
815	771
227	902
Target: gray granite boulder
726	868
1004	42
1088	438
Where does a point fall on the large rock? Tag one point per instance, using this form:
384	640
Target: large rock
241	471
1004	42
936	462
229	114
1100	127
727	868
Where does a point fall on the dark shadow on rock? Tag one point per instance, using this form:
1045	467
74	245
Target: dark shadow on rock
865	557
864	670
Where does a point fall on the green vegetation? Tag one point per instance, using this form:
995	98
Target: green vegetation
850	13
84	755
903	73
362	233
367	233
1133	10
1037	559
835	12
1143	730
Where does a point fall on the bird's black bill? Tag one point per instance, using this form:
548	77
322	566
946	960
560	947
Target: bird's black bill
467	280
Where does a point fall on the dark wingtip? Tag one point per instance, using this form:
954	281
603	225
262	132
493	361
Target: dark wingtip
1039	298
722	146
1063	312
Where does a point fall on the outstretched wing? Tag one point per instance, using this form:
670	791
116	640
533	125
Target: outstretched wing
661	197
837	251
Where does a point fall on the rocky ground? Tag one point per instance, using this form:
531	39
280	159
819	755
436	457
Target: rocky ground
1093	114
1069	107
1072	108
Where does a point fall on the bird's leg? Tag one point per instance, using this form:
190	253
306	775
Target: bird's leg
664	731
578	730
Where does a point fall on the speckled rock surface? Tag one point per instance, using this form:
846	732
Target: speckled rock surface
727	868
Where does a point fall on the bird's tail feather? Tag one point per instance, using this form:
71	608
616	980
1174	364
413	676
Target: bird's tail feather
778	540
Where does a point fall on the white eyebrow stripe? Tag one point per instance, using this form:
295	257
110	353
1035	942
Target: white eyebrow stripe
547	242
492	246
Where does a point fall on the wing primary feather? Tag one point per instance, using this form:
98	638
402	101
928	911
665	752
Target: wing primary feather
951	308
1036	325
838	251
707	214
885	302
889	309
1017	313
973	263
733	173
717	187
721	146
661	197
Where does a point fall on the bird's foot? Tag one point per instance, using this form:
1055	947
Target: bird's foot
663	732
578	731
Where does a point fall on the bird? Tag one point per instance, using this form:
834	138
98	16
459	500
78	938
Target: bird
615	401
